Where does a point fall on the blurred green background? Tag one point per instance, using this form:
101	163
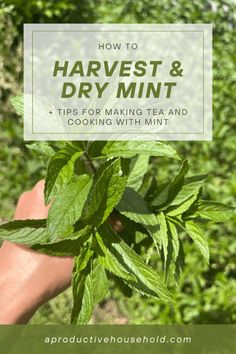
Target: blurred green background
204	294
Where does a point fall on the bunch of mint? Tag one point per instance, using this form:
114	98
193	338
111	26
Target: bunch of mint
91	184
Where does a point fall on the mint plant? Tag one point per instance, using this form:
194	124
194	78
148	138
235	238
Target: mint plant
91	184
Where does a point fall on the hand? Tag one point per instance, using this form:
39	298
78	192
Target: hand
27	278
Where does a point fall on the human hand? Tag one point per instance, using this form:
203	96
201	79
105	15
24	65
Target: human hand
28	278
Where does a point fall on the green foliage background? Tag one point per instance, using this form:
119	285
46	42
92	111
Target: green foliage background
204	294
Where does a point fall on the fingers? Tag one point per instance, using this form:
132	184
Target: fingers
34	277
38	189
31	204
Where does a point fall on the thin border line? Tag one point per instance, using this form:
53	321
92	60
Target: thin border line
32	124
117	31
34	133
203	83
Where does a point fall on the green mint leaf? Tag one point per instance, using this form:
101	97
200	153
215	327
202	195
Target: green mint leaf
42	149
18	104
60	170
129	149
139	166
109	261
148	187
179	264
169	192
163	235
191	186
173	250
35	234
151	282
95	148
107	189
100	282
182	208
174	238
68	207
66	248
82	288
25	231
135	208
216	212
197	235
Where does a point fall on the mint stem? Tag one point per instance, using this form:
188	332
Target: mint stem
90	162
